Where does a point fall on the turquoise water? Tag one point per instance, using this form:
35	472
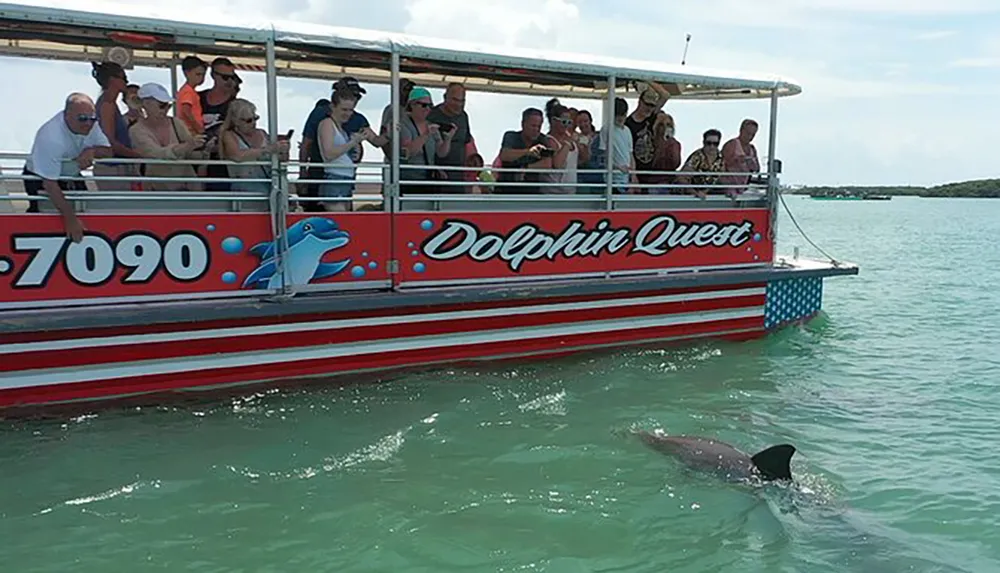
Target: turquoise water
890	396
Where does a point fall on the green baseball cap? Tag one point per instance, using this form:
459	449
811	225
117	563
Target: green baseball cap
418	93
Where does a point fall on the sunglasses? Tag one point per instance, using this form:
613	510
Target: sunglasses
226	77
565	121
711	142
250	119
421	104
84	118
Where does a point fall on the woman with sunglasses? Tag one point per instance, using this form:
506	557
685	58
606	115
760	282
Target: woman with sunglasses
705	160
421	143
160	136
243	141
564	139
112	79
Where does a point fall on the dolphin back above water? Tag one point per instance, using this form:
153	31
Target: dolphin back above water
710	455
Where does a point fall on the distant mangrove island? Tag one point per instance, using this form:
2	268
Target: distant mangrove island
971	189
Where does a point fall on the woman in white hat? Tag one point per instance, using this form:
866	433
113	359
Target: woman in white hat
160	136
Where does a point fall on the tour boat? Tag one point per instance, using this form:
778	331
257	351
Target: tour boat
196	291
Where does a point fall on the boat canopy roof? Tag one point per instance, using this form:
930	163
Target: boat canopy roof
150	35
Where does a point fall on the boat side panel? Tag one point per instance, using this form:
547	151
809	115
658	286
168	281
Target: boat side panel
143	363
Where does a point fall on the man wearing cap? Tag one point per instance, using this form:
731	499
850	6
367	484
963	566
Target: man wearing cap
309	147
642	124
64	145
188	103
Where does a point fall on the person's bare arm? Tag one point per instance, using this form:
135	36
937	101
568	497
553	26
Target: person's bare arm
107	117
72	225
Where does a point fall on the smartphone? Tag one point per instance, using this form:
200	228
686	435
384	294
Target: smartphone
547	152
446	127
287	136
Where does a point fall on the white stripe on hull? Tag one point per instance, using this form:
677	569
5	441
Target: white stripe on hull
373	321
76	374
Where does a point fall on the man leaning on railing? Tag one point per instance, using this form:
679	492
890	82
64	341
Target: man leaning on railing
63	146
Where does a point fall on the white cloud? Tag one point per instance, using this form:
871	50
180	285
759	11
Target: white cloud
936	35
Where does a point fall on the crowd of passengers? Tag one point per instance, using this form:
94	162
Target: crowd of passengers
215	123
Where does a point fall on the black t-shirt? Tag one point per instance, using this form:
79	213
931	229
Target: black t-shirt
213	113
643	145
515	140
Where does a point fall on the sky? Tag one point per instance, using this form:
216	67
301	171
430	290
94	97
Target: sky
895	92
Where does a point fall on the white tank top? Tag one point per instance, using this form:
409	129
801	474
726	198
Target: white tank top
344	166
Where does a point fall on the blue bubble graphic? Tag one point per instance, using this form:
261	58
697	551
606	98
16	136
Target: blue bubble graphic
210	227
232	245
414	253
756	237
357	271
5	266
410	244
426	224
373	265
229	277
419	267
364	253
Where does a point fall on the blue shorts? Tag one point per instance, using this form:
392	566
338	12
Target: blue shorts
336	186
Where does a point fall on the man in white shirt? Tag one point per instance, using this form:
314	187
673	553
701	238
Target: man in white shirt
63	146
622	145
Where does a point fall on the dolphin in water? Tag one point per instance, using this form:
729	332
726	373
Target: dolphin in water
308	241
720	458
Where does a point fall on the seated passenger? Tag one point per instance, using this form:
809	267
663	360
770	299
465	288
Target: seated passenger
706	159
188	103
740	156
335	146
621	155
564	139
112	79
63	146
481	179
667	154
160	136
524	149
242	141
421	143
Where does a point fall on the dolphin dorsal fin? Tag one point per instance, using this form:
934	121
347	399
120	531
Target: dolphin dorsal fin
774	462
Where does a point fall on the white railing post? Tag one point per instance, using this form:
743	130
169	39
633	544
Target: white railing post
609	130
279	197
772	176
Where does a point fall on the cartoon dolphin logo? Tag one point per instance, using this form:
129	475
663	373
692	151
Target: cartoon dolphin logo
308	241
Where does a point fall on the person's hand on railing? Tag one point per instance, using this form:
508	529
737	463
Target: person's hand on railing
86	158
280	147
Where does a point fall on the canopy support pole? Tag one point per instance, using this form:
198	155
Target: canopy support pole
772	162
609	143
393	187
279	192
